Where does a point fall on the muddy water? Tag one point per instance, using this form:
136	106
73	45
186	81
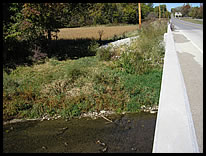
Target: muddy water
129	133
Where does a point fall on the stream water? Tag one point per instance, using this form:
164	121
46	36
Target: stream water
128	133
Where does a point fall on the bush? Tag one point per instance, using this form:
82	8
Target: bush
92	48
38	56
104	54
146	52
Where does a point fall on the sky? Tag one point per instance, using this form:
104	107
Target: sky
174	5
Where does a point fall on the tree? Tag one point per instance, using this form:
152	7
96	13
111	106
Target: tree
163	9
201	11
25	25
185	9
42	17
194	12
150	5
11	23
145	9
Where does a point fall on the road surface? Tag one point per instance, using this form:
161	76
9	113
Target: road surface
188	39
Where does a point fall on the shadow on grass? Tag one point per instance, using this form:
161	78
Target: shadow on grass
74	49
59	49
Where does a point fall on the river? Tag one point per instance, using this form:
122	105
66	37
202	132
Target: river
128	133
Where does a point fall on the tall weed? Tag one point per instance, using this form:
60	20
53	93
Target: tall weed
146	52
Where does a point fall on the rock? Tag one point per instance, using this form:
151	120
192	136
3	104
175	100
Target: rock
146	110
102	111
95	113
123	113
133	149
103	150
62	130
143	107
153	111
98	142
65	128
102	144
127	128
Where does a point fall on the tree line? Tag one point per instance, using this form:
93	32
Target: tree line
188	11
27	25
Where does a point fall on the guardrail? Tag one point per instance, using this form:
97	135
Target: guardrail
174	131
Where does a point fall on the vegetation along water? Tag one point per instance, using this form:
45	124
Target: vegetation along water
47	75
118	79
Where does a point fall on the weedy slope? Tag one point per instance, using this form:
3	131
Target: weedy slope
102	82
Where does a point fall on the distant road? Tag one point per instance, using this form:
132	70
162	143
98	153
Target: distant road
192	31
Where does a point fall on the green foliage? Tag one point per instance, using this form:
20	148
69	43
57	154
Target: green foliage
71	87
146	52
163	11
104	53
92	48
195	12
30	25
189	11
79	86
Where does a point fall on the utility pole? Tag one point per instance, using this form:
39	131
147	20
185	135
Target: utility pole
139	8
159	12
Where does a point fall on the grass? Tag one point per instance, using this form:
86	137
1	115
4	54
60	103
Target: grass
72	87
192	20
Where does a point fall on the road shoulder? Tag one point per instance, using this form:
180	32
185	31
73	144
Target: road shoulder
191	63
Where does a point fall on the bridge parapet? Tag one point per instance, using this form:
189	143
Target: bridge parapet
174	131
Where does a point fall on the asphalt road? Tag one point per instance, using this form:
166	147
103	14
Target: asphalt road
191	30
188	39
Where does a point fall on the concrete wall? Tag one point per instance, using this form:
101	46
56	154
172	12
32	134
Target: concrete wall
174	131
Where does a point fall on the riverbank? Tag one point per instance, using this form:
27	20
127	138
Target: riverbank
122	80
93	115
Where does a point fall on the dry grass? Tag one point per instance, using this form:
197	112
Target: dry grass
93	32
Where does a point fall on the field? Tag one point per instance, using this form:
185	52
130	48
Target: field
93	32
81	42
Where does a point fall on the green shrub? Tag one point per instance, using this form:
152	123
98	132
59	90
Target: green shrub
92	48
146	52
104	54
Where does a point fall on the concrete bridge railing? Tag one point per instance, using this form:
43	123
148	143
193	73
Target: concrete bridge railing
174	131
